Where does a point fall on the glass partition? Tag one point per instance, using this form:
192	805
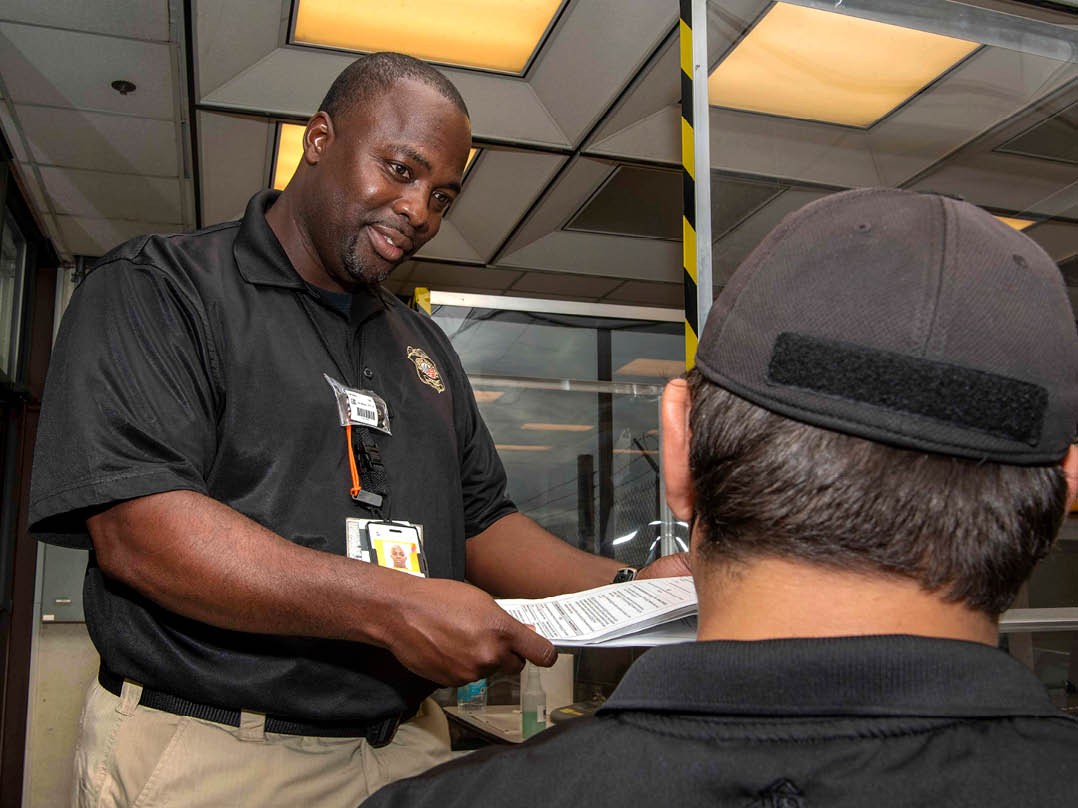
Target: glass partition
975	100
572	401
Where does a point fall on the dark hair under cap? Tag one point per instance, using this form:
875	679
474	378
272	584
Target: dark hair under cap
909	319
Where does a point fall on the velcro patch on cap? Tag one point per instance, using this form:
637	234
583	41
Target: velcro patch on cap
970	399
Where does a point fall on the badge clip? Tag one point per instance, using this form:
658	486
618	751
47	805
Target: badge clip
366	497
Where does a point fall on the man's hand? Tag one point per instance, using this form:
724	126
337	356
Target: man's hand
453	633
666	567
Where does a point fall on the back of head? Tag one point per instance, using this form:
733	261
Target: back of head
373	74
888	384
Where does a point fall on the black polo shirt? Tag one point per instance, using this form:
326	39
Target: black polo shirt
840	722
195	362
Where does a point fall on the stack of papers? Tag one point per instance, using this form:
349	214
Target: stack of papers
656	611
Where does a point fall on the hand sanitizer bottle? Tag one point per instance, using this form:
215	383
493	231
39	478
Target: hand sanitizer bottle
472	697
532	703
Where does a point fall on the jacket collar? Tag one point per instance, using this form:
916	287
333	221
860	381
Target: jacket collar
834	676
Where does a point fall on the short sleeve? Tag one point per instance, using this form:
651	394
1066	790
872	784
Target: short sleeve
129	400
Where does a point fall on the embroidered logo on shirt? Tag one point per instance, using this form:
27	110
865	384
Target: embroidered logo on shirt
780	794
425	368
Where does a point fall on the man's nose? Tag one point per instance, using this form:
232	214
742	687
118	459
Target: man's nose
413	204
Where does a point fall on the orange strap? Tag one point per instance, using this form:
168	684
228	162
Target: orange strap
356	486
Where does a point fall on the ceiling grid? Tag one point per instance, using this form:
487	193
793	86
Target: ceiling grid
575	190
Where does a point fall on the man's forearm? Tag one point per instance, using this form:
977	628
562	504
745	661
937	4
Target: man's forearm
199	558
515	557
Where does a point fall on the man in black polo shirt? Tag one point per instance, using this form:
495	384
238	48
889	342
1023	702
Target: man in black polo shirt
229	414
874	450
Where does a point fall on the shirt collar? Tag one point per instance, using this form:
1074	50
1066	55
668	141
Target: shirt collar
262	260
833	676
259	255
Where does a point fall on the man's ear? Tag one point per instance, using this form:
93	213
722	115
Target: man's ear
1070	469
675	448
316	137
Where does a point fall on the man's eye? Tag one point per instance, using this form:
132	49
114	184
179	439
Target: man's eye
442	200
400	170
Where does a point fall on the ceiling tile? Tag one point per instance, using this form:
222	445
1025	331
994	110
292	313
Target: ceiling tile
498	191
232	35
668	295
442	276
138	19
92	140
584	287
95	237
596	50
607	256
233	154
635	201
1058	239
98	195
38	68
1053	139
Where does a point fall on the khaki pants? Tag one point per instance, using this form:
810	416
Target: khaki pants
130	756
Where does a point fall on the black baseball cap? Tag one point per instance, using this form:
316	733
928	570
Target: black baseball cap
909	319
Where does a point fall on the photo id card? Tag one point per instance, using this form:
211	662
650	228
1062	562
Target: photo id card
397	546
394	545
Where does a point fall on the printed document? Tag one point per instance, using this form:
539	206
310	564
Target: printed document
656	611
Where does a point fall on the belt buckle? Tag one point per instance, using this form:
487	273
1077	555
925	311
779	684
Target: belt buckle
381	734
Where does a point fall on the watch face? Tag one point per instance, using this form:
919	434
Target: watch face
624	574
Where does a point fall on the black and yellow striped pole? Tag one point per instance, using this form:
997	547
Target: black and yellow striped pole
695	172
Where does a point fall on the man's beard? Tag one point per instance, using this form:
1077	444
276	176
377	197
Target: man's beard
357	271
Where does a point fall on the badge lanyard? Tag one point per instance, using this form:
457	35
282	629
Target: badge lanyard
370	482
376	492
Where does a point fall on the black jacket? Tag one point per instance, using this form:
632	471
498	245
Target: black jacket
858	721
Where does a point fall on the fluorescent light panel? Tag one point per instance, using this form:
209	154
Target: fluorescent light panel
486	34
558	427
290	150
659	368
1015	222
817	65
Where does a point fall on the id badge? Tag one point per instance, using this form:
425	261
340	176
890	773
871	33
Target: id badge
395	545
360	407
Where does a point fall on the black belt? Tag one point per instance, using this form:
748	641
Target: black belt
377	733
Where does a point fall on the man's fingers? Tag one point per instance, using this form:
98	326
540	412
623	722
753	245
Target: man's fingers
534	647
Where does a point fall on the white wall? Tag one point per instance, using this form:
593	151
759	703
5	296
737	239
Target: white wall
65	664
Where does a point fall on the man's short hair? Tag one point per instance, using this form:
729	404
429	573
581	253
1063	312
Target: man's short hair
768	486
888	384
370	75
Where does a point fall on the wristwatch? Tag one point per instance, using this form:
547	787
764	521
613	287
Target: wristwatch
624	574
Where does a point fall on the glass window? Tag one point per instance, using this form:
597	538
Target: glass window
806	98
573	403
12	273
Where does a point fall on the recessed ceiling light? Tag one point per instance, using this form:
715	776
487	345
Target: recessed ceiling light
290	150
558	427
807	63
486	34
